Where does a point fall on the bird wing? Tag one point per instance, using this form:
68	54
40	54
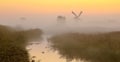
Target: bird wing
74	14
80	13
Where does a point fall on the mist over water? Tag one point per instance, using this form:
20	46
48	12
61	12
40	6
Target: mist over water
50	26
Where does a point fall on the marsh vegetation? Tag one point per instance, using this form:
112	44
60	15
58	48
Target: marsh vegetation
100	47
13	43
82	44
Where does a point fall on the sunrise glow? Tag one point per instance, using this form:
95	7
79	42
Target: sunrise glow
53	6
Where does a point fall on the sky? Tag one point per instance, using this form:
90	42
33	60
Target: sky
12	10
59	6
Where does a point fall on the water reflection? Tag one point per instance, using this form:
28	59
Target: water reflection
48	55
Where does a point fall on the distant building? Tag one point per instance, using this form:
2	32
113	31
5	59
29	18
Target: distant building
61	18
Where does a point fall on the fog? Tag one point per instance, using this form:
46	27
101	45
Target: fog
50	26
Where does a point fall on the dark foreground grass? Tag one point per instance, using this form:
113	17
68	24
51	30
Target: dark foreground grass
103	47
11	53
13	43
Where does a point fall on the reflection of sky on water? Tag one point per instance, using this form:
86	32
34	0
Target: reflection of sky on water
44	53
49	55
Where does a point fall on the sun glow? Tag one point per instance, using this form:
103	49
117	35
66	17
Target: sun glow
53	6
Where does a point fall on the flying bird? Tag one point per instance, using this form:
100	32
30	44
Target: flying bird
77	16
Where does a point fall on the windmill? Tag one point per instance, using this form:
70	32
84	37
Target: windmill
77	16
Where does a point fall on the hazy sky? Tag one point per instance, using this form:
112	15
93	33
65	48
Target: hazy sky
12	10
62	6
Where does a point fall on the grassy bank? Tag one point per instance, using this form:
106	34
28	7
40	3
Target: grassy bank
104	47
13	43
